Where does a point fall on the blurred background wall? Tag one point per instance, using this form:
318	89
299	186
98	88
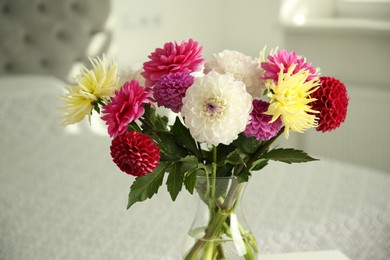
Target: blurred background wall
142	26
346	39
349	39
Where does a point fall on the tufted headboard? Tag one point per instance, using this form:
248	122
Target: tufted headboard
50	36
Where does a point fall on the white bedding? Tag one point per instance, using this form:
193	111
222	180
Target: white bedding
61	197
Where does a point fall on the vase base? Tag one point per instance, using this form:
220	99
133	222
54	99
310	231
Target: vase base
221	248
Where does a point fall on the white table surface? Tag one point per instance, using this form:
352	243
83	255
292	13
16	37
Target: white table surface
61	197
320	255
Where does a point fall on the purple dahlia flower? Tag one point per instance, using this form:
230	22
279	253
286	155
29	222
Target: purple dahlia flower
171	88
260	126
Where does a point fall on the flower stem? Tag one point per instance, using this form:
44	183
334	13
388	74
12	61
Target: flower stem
217	222
211	232
214	177
262	149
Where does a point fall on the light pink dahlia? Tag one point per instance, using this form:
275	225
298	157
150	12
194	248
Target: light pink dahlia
135	153
285	59
184	57
126	106
260	126
171	88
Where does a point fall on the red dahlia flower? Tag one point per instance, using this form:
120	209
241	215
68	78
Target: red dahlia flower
332	103
285	59
126	106
135	153
184	57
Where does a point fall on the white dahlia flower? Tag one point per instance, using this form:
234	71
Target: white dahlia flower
216	108
244	68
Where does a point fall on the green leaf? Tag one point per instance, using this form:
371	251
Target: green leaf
223	151
190	180
146	186
288	155
168	146
247	144
133	126
189	163
258	165
189	168
96	107
235	157
162	122
190	159
224	170
184	137
244	176
152	120
175	180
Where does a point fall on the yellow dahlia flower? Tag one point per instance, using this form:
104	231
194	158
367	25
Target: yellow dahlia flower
290	99
91	85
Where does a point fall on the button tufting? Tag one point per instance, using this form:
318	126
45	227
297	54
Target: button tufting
27	39
44	63
63	36
45	36
93	32
77	8
6	9
8	67
79	59
42	8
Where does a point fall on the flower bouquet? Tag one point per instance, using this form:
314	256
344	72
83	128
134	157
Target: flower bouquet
228	111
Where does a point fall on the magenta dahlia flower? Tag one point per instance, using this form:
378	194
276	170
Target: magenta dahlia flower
260	126
126	106
285	59
184	57
135	153
332	103
171	88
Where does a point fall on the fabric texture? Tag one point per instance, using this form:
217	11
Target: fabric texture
49	37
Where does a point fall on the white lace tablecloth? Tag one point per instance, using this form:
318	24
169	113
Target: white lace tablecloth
61	197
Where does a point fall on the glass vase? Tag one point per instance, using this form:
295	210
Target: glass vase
219	229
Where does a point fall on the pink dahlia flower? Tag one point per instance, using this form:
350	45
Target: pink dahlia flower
260	126
135	153
171	88
285	59
184	57
332	103
126	106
